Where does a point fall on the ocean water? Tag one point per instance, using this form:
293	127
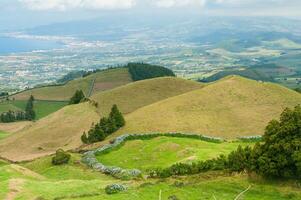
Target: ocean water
18	45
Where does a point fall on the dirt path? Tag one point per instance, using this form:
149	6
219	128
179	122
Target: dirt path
27	172
14	187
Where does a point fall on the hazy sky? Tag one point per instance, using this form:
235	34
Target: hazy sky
25	13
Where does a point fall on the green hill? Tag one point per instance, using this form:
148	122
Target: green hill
141	93
91	84
64	127
247	73
229	108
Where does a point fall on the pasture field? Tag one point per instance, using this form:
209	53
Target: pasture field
61	129
93	83
164	151
42	108
3	135
22	184
229	108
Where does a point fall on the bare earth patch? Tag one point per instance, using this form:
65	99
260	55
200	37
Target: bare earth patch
15	186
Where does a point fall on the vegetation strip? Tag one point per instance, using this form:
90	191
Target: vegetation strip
89	158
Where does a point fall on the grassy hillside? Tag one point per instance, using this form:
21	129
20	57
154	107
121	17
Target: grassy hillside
100	81
164	151
64	127
42	108
61	129
231	107
247	73
23	184
141	93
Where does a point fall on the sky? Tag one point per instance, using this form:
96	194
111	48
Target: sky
28	13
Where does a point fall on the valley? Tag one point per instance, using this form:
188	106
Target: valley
234	109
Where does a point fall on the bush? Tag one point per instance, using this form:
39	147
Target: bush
114	188
61	157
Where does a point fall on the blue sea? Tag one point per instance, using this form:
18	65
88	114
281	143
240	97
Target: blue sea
18	45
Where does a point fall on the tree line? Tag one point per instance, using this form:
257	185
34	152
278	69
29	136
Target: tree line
277	156
141	71
14	116
105	127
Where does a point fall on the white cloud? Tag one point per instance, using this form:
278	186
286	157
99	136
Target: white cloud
241	7
62	5
179	3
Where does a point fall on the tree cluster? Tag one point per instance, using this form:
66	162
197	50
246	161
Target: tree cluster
280	153
78	97
14	116
105	127
3	94
141	71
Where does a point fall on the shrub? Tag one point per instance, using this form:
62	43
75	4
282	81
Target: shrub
61	157
114	188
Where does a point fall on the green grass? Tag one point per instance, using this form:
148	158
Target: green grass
73	170
3	135
6	106
164	151
221	188
42	108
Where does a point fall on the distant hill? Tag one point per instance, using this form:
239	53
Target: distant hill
63	128
247	73
231	107
91	84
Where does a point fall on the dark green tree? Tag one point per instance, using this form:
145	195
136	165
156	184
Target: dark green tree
117	116
29	110
77	97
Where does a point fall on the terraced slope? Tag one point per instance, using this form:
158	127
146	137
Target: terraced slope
100	81
231	107
61	129
141	93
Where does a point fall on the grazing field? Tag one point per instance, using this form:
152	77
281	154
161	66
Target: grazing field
141	93
23	184
6	106
64	127
228	108
3	135
164	151
93	83
42	108
61	129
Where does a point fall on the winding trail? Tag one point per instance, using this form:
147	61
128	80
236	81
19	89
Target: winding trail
14	187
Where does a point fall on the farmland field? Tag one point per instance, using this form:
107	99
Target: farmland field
164	151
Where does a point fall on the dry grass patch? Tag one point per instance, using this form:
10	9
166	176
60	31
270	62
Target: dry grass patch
228	108
59	130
